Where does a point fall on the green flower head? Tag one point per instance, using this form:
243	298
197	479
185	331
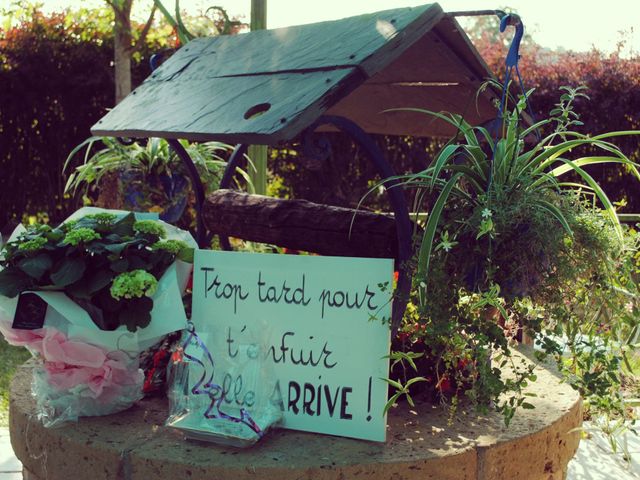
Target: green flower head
172	246
80	235
67	226
134	284
103	218
41	228
32	245
150	227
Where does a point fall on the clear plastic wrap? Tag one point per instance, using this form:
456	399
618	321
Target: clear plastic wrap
72	378
228	400
115	386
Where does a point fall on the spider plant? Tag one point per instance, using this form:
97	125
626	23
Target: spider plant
150	175
152	158
478	174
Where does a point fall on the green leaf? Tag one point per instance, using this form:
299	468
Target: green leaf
137	263
608	206
186	255
414	380
470	175
441	160
120	265
99	280
528	406
144	320
557	213
70	271
79	290
124	226
136	314
129	319
54	235
426	247
393	383
390	403
556	172
13	282
36	266
142	304
117	248
183	34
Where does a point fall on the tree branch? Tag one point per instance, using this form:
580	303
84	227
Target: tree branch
145	30
122	12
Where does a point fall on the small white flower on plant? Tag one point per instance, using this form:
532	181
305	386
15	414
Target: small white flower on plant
446	243
487	213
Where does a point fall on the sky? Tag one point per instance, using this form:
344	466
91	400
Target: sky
575	25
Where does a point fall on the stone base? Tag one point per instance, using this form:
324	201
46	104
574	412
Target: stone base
134	445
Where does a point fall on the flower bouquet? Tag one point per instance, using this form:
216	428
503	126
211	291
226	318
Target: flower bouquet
86	298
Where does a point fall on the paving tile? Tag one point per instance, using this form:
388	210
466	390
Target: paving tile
625	439
8	460
11	476
592	462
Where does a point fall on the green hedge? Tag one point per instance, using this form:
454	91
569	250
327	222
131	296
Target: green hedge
56	81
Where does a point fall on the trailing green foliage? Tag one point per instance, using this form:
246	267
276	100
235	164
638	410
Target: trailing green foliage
147	175
509	246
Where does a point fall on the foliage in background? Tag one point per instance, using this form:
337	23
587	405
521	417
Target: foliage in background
611	82
56	83
12	358
58	80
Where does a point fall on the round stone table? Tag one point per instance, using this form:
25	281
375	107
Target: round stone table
134	445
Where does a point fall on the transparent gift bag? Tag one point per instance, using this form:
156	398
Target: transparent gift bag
231	401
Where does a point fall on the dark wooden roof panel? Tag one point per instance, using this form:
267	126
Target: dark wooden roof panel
190	108
267	86
318	46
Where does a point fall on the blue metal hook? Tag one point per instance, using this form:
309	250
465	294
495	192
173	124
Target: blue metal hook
514	51
156	60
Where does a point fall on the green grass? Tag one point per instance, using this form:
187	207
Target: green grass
10	359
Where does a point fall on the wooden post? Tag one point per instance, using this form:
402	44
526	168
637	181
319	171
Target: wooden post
258	15
258	153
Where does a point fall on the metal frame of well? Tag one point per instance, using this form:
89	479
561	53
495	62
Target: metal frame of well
271	86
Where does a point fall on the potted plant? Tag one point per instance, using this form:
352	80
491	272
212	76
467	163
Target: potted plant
82	298
516	233
143	176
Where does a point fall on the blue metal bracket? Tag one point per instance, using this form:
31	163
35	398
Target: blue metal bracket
198	189
513	20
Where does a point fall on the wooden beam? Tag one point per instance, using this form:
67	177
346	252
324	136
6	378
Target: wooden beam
301	225
258	153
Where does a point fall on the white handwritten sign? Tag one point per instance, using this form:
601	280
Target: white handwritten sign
327	331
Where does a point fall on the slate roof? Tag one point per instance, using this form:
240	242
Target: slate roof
267	86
